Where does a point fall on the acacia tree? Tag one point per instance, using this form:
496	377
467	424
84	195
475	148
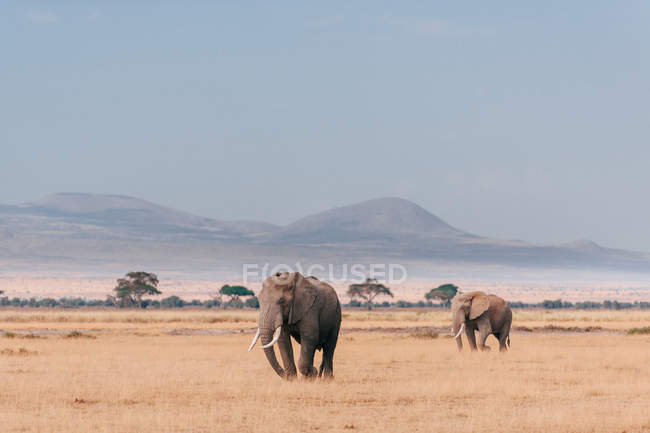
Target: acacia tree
444	293
134	286
234	292
368	291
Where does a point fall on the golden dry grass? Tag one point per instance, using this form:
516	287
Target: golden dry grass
23	318
133	377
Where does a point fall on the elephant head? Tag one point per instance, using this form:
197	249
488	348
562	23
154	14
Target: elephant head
284	300
467	306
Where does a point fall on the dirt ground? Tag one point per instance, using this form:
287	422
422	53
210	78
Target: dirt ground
190	371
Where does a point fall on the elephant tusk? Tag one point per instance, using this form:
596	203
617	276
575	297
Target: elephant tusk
459	331
276	336
257	335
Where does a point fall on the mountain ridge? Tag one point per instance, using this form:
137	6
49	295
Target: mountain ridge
82	227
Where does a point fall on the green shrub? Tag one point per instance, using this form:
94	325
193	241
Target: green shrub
234	303
172	302
212	303
252	302
31	336
404	304
639	331
424	333
78	334
20	352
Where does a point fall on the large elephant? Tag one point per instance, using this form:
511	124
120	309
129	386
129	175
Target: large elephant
303	308
487	314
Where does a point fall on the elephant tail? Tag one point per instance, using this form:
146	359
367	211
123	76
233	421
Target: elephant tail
508	341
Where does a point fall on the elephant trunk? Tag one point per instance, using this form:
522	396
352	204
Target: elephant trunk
270	324
267	337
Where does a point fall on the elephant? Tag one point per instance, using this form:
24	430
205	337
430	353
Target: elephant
306	309
487	314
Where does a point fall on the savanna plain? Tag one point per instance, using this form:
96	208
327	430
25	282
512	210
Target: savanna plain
189	371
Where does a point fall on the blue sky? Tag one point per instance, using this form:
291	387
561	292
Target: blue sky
504	119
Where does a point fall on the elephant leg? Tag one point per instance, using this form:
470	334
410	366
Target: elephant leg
286	351
502	342
484	330
505	336
327	366
306	362
471	339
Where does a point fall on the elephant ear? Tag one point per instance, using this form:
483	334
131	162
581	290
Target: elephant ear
304	295
480	304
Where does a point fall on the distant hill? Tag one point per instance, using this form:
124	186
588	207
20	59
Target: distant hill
382	219
74	230
109	216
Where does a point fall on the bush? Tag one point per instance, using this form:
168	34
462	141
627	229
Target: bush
95	303
404	304
424	333
518	304
48	303
234	303
212	303
78	334
172	302
558	303
639	331
384	304
72	302
615	305
252	302
588	305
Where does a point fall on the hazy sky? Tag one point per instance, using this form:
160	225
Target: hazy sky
503	119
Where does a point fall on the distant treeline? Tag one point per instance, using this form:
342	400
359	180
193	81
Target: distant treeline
546	304
252	302
165	303
587	305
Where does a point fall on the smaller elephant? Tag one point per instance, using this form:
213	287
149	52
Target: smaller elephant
487	314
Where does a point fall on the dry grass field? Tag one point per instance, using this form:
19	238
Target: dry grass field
189	371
